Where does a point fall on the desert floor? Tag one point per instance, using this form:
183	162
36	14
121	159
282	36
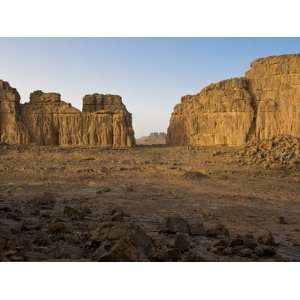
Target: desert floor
148	183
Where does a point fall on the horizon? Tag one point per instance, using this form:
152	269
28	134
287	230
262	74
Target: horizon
150	74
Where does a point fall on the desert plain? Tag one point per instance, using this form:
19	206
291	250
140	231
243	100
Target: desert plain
222	184
55	202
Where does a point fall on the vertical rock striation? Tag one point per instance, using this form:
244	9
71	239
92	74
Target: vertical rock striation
275	85
220	114
263	104
47	120
12	129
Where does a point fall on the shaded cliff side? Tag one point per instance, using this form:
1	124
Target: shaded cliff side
262	105
47	120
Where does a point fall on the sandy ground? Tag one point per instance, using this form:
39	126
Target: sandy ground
150	183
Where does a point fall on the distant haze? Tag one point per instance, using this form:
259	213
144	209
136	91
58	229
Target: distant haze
151	74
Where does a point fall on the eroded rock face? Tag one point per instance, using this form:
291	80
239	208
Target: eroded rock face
263	104
47	120
12	129
220	114
275	85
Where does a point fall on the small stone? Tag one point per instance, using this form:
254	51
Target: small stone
193	256
215	153
117	214
228	251
236	242
267	239
197	228
57	228
259	251
173	254
265	251
245	252
182	242
269	251
250	242
104	190
221	243
129	188
217	230
281	220
177	224
46	201
72	213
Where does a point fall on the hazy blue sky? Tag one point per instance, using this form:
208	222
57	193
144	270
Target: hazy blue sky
151	74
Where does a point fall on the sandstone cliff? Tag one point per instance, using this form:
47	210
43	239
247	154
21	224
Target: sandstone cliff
263	104
12	129
47	120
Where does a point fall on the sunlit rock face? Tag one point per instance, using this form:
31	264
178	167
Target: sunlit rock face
221	114
47	120
263	104
12	129
275	85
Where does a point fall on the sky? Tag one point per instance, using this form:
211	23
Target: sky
151	74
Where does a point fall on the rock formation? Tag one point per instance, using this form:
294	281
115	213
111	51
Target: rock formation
154	138
12	129
262	105
47	120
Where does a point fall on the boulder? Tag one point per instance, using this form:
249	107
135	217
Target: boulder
121	241
182	242
177	225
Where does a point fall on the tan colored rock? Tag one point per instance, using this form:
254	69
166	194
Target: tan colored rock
12	129
47	120
262	105
275	85
221	114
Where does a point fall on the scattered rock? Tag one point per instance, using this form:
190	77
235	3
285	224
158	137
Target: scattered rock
46	201
57	228
263	250
281	220
182	242
173	254
267	239
246	252
129	188
104	190
193	256
250	242
73	213
117	214
197	228
194	175
275	153
236	242
228	251
128	242
217	230
177	225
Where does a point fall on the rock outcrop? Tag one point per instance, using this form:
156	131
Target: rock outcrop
12	129
47	120
154	138
262	105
